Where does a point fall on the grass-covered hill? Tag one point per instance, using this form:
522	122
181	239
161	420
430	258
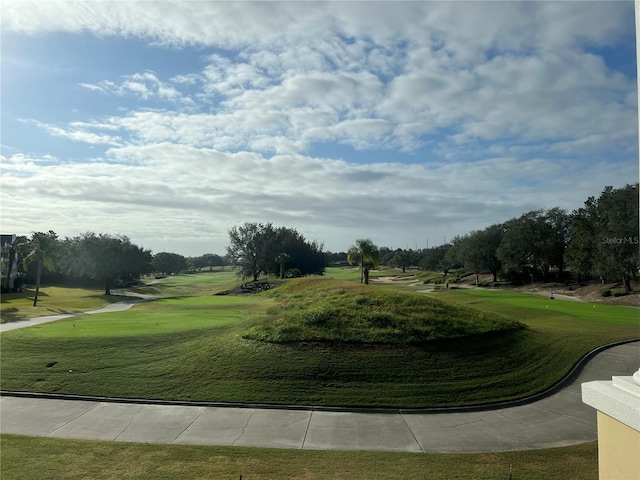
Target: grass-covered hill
325	310
314	341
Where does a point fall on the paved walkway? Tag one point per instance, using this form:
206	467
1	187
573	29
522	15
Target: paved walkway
132	299
559	420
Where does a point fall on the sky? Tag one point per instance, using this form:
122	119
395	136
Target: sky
404	122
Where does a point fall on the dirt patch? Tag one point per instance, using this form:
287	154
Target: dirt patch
251	288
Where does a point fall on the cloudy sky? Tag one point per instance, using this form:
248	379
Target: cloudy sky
403	122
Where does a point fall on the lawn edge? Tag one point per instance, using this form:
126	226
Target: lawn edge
556	387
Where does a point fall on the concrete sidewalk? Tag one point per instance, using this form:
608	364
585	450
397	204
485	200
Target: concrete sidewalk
559	420
131	300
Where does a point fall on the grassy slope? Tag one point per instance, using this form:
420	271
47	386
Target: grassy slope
193	350
321	310
28	458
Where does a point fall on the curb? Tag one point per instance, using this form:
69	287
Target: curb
562	383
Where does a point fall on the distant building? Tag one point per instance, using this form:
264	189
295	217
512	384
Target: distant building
9	261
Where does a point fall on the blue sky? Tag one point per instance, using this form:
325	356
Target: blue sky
403	122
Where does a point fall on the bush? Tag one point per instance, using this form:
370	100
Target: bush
606	293
317	317
293	273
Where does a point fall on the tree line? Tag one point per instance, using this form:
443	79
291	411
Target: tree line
110	260
599	240
257	248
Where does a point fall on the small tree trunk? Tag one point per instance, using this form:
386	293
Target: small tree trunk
107	287
366	276
38	277
477	280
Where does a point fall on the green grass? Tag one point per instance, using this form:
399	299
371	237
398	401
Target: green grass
192	348
544	313
52	301
317	310
343	273
49	458
204	283
160	317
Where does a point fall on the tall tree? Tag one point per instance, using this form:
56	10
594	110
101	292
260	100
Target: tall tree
582	249
282	258
478	251
366	254
605	236
42	248
439	259
244	249
402	259
255	248
536	240
107	258
168	263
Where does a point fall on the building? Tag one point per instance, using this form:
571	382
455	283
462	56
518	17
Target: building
9	261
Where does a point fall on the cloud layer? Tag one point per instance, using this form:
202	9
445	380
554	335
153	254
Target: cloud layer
397	121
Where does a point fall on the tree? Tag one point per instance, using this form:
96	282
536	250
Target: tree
212	260
42	248
255	248
478	251
106	258
582	250
282	258
366	254
439	259
168	263
605	236
536	240
243	249
14	252
402	259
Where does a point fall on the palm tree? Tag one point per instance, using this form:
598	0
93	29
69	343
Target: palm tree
367	254
282	258
42	247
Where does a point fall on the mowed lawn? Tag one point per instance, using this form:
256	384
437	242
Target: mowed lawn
544	313
52	301
165	315
190	346
29	457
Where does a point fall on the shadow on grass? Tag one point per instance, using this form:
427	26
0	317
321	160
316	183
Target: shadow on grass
18	306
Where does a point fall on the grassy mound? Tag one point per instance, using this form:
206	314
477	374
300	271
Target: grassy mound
190	346
323	310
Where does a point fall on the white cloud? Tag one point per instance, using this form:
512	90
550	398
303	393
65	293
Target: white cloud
500	102
75	134
204	190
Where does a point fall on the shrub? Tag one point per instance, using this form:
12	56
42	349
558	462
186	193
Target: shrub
293	273
606	293
318	316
